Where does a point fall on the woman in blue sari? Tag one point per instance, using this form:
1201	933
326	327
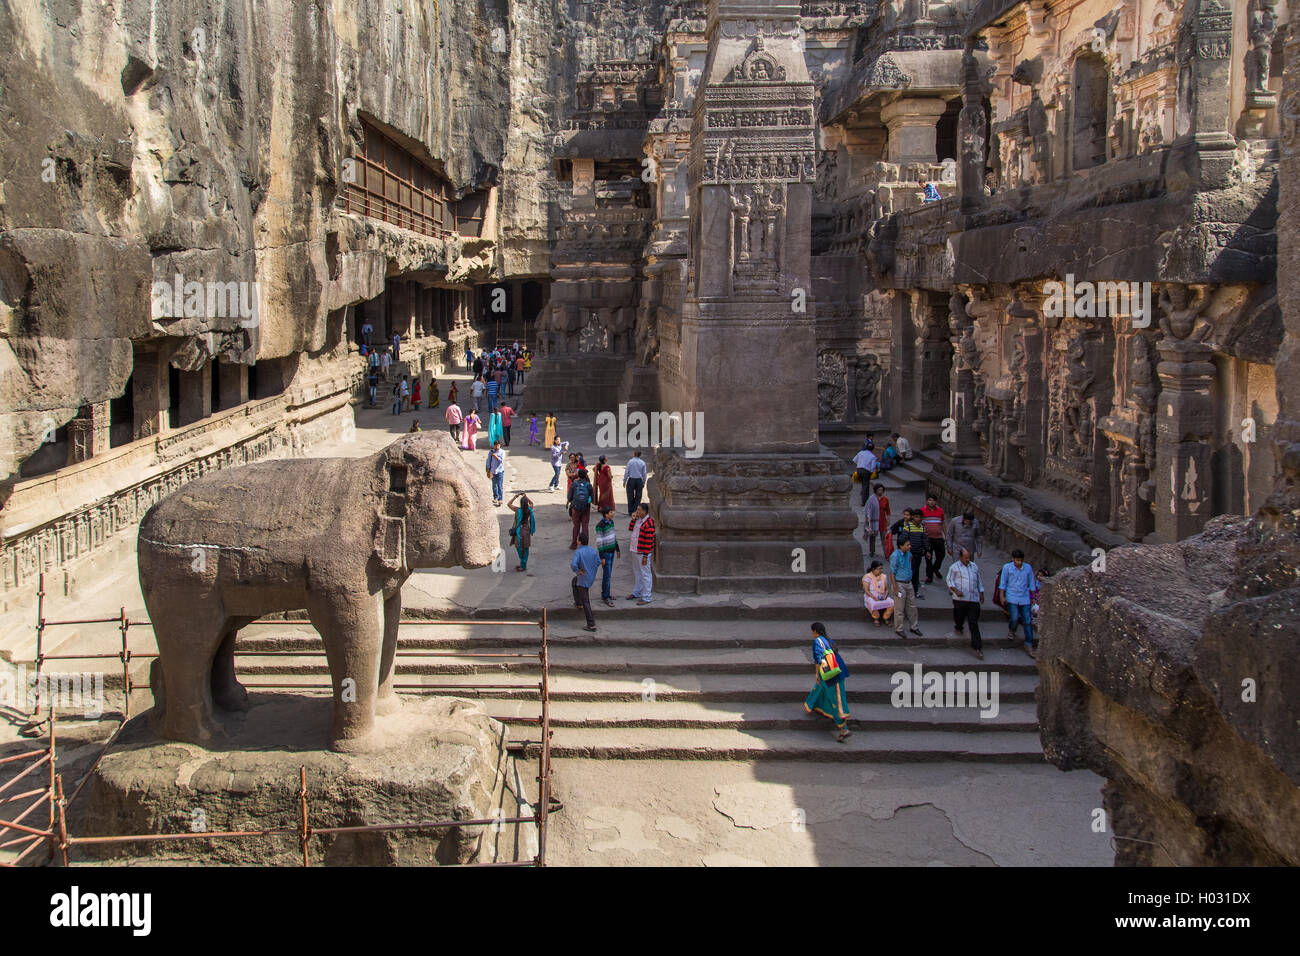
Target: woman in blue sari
829	697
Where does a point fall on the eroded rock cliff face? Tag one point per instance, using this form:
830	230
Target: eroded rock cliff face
144	139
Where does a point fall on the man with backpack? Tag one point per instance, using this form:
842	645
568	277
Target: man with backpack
580	493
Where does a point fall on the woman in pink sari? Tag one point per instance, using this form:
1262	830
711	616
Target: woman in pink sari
472	424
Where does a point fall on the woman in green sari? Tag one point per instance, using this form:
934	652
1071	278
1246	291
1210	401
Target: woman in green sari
829	696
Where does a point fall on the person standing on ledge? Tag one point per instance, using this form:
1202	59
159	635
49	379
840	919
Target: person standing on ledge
584	564
634	480
967	589
642	527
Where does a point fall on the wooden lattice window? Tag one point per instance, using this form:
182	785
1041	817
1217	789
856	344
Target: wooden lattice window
386	182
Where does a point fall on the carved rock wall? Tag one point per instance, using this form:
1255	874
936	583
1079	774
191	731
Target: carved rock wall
143	140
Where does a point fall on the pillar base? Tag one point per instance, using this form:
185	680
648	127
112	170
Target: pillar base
753	524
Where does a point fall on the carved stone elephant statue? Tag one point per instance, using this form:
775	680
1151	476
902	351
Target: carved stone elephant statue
336	536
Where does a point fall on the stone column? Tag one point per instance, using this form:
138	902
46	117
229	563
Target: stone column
196	394
232	383
1203	153
931	376
1184	427
911	122
759	506
88	433
972	141
1031	429
151	394
965	450
584	175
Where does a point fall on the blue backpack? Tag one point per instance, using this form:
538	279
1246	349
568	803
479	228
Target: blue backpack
581	496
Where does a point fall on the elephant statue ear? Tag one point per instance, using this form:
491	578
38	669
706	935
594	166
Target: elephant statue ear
390	518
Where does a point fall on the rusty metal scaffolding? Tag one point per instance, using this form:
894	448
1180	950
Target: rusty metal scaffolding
55	836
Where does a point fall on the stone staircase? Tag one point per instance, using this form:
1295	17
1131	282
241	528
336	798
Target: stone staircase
673	684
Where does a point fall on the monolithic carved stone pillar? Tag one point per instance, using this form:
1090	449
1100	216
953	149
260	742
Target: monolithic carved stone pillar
760	507
151	394
1184	426
911	122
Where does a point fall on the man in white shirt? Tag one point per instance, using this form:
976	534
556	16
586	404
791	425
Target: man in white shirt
634	481
967	588
903	445
385	361
476	391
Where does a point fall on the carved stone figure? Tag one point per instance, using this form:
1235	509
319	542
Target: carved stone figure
867	386
336	536
1181	317
1261	23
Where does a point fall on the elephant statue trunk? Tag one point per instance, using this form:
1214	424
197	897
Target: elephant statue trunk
336	536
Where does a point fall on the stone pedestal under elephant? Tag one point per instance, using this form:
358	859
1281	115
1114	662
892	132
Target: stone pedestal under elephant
336	536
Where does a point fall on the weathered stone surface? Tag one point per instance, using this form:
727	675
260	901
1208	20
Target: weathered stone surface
439	759
1181	697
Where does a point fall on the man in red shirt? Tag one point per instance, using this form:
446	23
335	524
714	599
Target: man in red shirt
932	521
642	527
507	416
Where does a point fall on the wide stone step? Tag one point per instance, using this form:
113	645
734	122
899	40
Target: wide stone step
788	688
685	715
652	662
890	746
490	640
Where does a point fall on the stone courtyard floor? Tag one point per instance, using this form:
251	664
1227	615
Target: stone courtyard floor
870	804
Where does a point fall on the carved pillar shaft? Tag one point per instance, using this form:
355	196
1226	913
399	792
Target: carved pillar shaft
151	396
1184	426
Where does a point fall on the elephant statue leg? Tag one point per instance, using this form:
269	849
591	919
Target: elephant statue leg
227	692
387	702
349	625
188	642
